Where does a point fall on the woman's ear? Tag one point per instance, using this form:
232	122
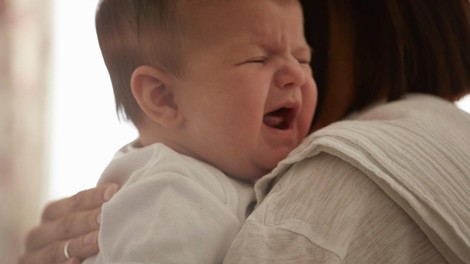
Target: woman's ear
152	89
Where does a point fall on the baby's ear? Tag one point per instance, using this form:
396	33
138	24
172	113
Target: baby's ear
152	89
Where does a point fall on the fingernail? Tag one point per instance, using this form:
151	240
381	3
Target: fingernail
109	192
90	239
98	219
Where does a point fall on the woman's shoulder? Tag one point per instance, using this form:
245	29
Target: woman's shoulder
410	107
413	153
334	209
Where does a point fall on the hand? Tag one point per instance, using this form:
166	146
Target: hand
75	220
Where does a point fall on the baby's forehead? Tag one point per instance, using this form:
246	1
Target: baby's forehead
246	22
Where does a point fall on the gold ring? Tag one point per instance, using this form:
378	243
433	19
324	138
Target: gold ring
66	249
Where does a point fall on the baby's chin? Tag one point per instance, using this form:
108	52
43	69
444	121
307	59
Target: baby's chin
253	172
259	165
247	172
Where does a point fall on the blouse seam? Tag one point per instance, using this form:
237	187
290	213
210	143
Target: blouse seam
285	226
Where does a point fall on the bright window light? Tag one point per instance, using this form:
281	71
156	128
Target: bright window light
85	131
464	103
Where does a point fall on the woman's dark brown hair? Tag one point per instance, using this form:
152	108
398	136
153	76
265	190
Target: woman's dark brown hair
407	46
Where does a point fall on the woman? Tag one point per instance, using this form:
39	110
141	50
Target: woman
342	196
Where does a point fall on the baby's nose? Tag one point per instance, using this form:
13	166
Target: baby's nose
291	74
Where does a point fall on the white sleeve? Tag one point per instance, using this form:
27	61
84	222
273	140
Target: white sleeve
165	219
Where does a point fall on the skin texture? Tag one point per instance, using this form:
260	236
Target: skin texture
250	59
75	218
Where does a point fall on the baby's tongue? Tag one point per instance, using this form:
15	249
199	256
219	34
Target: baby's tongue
272	121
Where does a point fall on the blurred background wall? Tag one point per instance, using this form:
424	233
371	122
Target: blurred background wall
24	75
58	127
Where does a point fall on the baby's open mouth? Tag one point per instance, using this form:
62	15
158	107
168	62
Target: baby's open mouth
281	118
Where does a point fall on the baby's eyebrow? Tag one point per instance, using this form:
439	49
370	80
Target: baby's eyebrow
303	50
259	43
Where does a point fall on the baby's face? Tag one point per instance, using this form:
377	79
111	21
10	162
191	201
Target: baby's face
247	92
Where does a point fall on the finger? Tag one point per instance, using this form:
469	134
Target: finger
84	200
52	254
72	261
84	246
79	248
70	226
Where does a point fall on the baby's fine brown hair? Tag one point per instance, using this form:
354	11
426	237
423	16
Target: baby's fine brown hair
132	33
